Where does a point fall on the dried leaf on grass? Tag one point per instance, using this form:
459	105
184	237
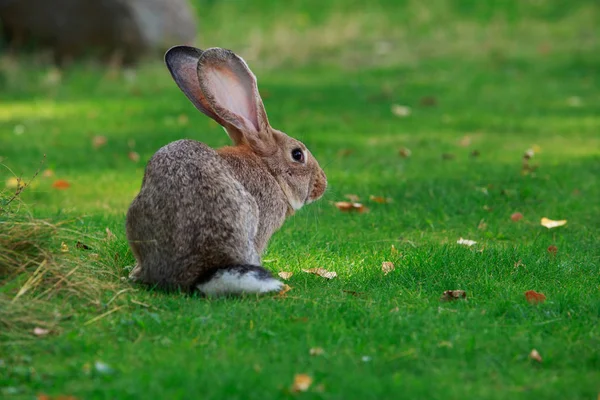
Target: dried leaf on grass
61	184
99	141
82	246
451	295
133	156
347	206
109	234
285	275
466	242
282	293
534	297
316	351
515	217
301	383
380	199
465	141
37	331
322	272
387	267
400	111
552	249
404	152
548	223
535	356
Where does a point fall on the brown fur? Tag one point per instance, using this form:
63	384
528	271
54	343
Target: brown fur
201	209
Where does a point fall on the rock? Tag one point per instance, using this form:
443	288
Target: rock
127	29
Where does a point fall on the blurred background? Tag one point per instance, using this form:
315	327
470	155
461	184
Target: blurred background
84	92
352	34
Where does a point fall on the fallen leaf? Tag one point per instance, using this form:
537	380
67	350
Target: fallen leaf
64	248
322	272
395	310
352	197
285	275
133	156
534	297
182	119
548	223
82	246
529	153
99	141
301	383
466	242
451	295
347	206
400	111
445	344
48	173
552	249
14	183
428	101
379	199
465	141
345	152
316	351
387	267
516	216
482	225
404	152
37	331
394	250
61	184
535	355
519	264
109	234
286	288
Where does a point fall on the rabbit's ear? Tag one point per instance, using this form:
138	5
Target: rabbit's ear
230	89
182	62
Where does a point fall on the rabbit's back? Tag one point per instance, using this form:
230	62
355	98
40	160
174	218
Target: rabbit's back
191	216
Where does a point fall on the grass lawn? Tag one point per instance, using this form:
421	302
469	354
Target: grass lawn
482	86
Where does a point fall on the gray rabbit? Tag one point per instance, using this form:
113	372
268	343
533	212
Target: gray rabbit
203	217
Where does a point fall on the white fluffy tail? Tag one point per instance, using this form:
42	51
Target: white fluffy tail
238	279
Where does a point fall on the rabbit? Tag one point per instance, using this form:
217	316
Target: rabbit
203	217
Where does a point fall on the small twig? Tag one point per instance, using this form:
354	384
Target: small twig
61	280
91	321
117	295
33	279
139	303
20	188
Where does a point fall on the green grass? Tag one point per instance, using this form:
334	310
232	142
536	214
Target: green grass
521	75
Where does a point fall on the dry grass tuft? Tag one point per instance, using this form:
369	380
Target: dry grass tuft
45	278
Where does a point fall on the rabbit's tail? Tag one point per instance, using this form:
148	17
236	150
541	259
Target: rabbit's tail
238	279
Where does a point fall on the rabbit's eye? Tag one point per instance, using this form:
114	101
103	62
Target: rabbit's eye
298	155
